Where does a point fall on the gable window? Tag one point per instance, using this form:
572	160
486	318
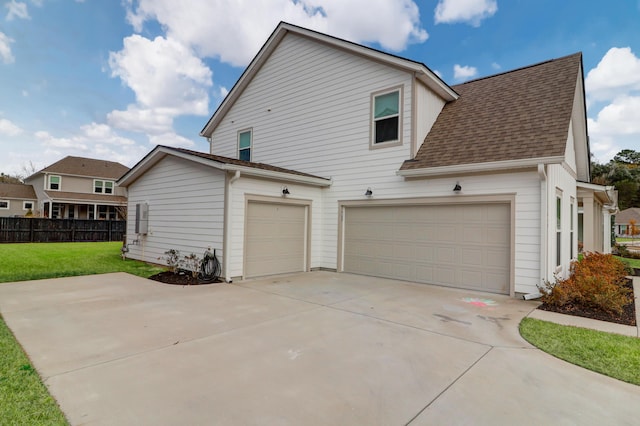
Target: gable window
53	183
385	127
244	145
27	205
103	187
4	204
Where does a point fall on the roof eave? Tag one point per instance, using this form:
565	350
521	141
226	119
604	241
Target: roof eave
479	167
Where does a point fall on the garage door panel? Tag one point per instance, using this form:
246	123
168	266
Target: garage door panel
456	245
275	239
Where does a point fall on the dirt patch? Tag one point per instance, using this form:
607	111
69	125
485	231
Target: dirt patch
628	316
180	278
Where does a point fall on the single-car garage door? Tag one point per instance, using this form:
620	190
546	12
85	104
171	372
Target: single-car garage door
275	238
457	245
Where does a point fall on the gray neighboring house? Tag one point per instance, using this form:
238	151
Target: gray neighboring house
80	188
623	221
17	199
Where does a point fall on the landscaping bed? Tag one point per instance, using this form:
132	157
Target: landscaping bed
626	317
180	278
597	288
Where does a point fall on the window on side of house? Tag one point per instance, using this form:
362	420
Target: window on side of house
102	187
244	145
27	205
386	117
558	229
4	204
54	183
571	212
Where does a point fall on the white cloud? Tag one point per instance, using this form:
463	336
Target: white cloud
462	73
171	139
234	31
616	126
8	128
163	73
5	49
618	72
17	10
469	11
93	140
144	120
496	66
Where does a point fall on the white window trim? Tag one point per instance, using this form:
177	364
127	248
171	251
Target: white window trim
113	186
48	183
372	123
250	131
8	204
24	205
558	229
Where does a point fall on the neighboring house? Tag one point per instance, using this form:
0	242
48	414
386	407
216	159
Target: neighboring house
331	155
17	200
80	188
623	221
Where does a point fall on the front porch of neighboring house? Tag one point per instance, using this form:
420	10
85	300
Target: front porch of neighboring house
55	210
596	205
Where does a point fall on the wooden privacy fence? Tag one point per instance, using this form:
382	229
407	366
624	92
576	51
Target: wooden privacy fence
40	230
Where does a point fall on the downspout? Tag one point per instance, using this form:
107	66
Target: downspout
227	226
543	229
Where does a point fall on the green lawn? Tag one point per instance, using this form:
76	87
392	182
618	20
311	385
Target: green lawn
634	263
24	400
606	353
36	261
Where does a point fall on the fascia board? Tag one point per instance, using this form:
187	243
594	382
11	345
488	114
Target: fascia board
480	167
270	174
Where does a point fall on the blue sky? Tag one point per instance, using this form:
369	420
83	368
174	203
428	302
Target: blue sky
111	79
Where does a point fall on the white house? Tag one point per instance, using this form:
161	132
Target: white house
330	155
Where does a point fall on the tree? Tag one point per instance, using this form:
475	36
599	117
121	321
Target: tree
9	178
623	172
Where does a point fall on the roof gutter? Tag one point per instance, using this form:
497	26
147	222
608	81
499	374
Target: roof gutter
480	167
289	177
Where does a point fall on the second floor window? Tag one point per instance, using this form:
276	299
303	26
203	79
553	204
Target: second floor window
386	117
54	183
102	187
244	145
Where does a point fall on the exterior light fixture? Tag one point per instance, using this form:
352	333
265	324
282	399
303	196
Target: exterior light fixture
457	188
285	191
369	192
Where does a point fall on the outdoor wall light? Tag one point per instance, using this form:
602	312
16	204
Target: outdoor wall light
369	192
285	191
457	188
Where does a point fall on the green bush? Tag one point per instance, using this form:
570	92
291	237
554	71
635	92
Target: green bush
596	282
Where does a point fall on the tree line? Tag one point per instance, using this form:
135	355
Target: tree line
623	172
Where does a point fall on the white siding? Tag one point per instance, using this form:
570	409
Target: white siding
559	179
309	108
570	154
428	107
186	210
243	187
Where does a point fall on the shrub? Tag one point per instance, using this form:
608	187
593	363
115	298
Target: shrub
597	282
193	264
172	257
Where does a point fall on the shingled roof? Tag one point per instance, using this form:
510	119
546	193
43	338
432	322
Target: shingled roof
625	216
80	166
251	164
520	114
17	191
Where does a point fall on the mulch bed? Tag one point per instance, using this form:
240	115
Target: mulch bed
628	316
180	278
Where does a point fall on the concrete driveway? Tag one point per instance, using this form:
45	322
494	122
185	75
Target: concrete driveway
316	348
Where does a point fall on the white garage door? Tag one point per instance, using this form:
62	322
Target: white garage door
465	246
275	239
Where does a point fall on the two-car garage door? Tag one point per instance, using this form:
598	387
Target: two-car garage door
457	245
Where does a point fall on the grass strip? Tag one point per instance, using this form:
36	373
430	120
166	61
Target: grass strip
610	354
35	261
24	399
